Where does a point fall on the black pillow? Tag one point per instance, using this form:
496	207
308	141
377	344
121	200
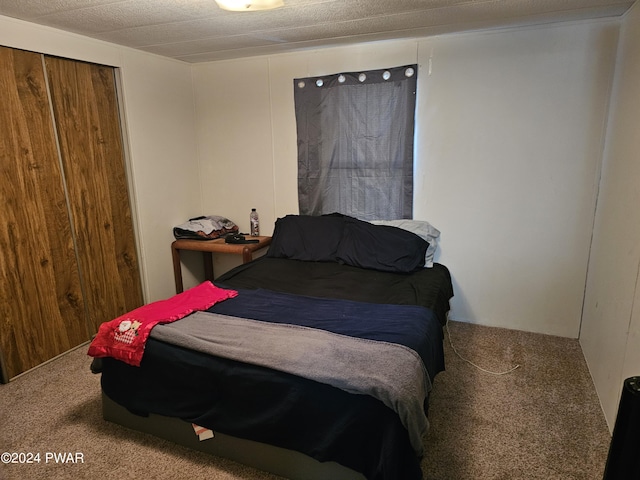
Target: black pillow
307	237
381	247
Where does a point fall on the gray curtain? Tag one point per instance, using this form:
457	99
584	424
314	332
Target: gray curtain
355	143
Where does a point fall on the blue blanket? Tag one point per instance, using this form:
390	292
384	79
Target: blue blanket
413	326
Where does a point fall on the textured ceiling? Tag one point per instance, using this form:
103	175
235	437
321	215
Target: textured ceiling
198	31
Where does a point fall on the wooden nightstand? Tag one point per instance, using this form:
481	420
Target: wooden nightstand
208	248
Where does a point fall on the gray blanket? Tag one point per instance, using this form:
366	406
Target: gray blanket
392	373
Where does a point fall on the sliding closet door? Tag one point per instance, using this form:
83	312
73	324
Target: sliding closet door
41	304
85	108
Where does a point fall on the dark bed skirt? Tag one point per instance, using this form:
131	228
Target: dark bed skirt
286	463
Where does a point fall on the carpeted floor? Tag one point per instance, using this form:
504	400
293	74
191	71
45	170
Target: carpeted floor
541	421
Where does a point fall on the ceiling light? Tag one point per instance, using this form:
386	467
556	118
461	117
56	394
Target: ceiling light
249	5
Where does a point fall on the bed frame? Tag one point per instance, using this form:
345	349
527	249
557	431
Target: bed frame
286	463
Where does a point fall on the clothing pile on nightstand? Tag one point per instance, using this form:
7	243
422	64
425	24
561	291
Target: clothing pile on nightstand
205	228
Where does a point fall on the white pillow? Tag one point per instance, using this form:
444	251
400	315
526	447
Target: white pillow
421	228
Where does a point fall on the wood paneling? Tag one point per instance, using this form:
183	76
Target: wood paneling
86	113
41	304
68	259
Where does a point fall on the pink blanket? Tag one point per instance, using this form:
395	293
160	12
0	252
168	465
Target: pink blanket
124	337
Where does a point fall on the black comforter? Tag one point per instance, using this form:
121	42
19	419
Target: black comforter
428	287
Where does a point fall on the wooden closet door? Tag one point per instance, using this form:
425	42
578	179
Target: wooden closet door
85	108
41	304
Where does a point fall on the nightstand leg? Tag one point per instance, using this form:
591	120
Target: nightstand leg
208	265
177	269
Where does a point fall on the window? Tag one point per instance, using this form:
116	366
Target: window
355	143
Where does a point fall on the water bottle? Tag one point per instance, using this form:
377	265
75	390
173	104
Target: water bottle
255	224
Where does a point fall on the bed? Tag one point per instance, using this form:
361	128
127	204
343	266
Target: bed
341	328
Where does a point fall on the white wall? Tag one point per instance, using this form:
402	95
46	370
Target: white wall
158	101
234	142
160	126
610	336
510	137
